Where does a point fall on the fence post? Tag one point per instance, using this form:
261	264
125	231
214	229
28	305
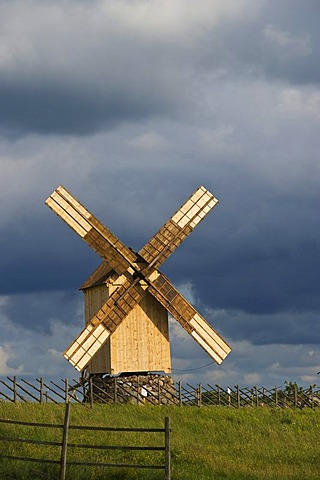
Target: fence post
138	387
238	396
229	396
14	389
295	396
41	390
63	460
91	391
66	390
200	395
159	391
167	449
180	399
115	390
219	396
311	393
276	395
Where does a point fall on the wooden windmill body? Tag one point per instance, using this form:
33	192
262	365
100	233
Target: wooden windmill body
127	298
140	343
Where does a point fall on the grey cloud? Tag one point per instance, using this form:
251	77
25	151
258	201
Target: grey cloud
72	110
267	365
43	261
220	107
102	68
255	233
27	349
288	327
248	364
278	42
38	311
89	76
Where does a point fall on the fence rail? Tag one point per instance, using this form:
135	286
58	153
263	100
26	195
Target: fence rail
118	390
65	445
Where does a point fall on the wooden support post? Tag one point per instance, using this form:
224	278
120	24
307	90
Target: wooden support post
276	396
219	397
15	389
159	391
115	390
257	396
180	398
200	395
66	390
91	391
41	390
138	386
167	449
311	394
295	396
63	460
238	396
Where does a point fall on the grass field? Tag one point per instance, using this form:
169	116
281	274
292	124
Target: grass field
207	443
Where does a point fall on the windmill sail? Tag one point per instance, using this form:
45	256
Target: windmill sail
96	235
178	227
135	276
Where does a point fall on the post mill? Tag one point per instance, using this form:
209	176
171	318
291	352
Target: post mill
127	298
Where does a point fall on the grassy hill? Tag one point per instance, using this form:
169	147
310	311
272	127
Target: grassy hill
206	444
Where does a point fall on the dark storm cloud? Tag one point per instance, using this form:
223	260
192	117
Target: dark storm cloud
302	19
259	277
278	42
291	328
261	255
226	95
94	71
39	314
240	257
82	75
288	327
46	108
42	256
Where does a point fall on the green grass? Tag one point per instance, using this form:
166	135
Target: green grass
206	443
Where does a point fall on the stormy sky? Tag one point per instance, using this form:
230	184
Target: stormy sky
132	105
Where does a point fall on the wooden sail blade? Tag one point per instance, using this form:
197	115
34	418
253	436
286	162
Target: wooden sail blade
88	342
104	323
178	227
93	232
122	301
136	274
162	289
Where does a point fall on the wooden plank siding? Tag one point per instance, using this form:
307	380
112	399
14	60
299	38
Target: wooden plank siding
141	341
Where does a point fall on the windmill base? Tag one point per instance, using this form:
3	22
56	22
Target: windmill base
136	388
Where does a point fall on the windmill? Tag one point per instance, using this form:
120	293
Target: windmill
127	299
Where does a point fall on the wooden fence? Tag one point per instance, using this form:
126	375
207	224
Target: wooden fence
121	391
65	446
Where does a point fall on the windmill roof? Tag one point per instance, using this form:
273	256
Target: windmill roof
99	276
